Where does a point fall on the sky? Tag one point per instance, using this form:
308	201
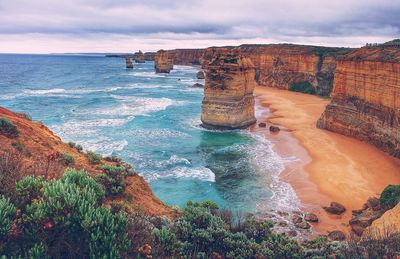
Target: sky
60	26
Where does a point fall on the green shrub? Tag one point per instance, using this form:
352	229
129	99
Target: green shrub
66	217
113	179
94	158
7	214
76	146
67	159
7	128
303	87
390	196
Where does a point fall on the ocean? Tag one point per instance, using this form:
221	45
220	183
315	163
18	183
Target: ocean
153	122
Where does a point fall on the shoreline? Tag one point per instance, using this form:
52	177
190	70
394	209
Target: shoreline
329	166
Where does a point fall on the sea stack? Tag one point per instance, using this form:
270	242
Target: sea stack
163	63
128	62
228	93
139	57
366	97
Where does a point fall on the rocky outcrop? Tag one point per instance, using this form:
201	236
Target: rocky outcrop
128	62
366	98
200	75
149	56
285	65
388	223
139	57
228	93
364	217
163	62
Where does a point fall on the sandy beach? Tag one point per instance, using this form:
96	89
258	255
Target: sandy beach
330	167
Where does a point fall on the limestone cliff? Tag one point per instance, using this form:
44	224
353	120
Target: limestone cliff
228	93
163	63
389	223
139	57
366	98
149	56
186	56
284	65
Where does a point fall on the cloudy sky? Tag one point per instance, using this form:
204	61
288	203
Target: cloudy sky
48	26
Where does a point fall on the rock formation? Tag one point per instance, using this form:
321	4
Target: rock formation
163	63
200	75
228	93
149	56
186	56
285	65
366	98
128	62
139	57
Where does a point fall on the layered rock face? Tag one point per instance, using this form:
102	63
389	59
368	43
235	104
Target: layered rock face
228	93
149	56
284	65
163	62
186	56
139	57
366	98
128	62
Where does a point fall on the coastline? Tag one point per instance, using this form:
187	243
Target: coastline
329	166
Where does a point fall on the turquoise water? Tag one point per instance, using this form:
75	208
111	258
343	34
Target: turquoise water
151	121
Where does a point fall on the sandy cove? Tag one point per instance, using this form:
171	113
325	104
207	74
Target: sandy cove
331	167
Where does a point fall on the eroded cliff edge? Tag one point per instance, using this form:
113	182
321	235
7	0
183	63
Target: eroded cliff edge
366	98
228	93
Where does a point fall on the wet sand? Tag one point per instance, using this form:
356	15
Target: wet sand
330	166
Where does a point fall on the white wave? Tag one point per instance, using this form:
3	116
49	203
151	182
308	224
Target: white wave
147	74
173	161
151	135
44	91
104	146
199	173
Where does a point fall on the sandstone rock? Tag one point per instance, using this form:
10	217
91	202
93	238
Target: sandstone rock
128	62
388	223
197	85
297	219
163	63
303	224
335	208
262	125
274	129
374	203
311	217
337	235
291	233
358	230
282	224
228	93
139	57
186	56
365	98
200	75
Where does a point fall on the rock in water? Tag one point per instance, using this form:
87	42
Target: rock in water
139	57
163	63
128	63
262	125
200	75
335	208
311	217
197	85
228	93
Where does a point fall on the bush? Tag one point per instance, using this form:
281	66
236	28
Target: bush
7	214
303	87
11	171
67	159
390	196
94	158
76	146
113	179
8	129
64	217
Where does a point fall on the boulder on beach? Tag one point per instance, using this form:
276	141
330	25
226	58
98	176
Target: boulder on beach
274	129
336	235
262	125
335	208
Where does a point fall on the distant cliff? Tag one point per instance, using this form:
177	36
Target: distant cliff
366	97
186	56
228	92
288	66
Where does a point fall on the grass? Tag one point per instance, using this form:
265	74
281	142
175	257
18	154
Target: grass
8	129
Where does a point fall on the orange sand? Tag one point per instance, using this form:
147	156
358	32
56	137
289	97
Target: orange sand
331	167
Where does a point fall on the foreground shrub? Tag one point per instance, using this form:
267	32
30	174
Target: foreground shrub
11	170
303	87
390	196
76	146
67	159
8	129
113	179
94	158
65	217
